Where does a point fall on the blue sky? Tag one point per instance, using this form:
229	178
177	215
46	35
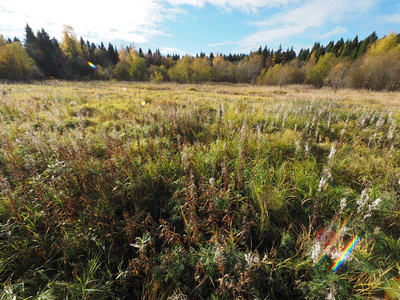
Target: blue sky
194	26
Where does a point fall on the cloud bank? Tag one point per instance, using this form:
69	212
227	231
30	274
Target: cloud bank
136	21
316	17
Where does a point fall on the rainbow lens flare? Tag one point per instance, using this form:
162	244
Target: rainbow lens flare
92	65
346	252
332	241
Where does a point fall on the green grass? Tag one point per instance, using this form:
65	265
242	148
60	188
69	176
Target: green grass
121	191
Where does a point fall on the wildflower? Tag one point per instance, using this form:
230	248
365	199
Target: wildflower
390	153
372	138
367	216
380	122
332	293
316	250
377	230
259	130
297	146
374	204
371	208
307	148
391	132
363	200
332	153
335	255
327	173
342	205
251	259
212	182
321	184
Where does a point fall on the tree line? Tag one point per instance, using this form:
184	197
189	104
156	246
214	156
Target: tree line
372	63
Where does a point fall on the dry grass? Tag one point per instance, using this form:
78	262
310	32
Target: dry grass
110	189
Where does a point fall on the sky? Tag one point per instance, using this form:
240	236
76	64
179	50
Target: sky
194	26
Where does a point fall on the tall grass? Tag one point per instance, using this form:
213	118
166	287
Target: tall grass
114	190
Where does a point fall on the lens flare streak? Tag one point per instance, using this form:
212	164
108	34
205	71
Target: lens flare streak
332	242
92	65
346	252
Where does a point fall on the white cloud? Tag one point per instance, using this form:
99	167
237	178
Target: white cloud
172	50
224	43
335	31
394	18
265	37
248	6
136	21
311	16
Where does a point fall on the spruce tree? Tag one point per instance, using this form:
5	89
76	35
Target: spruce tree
29	36
303	54
50	59
366	43
330	47
339	47
141	54
30	42
112	54
277	59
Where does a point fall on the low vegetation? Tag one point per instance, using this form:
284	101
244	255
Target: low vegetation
160	191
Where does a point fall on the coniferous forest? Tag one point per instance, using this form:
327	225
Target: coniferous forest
372	63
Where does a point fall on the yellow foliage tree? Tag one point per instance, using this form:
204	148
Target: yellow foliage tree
131	66
181	71
15	63
220	69
69	44
282	74
386	43
315	75
201	70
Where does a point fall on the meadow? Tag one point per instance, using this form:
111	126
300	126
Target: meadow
121	190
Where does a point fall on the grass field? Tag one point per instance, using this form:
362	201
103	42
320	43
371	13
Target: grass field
142	191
